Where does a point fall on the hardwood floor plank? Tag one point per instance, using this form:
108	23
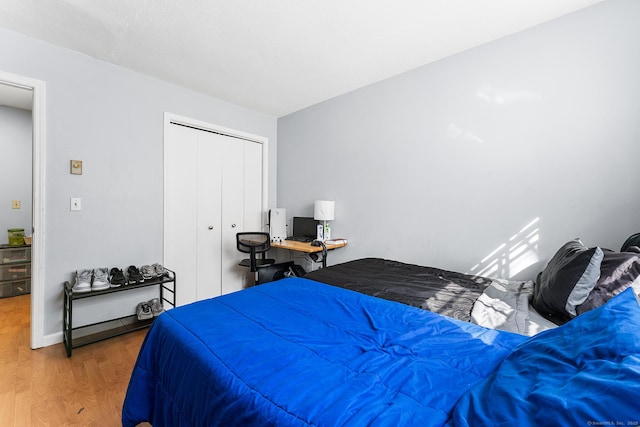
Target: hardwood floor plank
45	387
7	406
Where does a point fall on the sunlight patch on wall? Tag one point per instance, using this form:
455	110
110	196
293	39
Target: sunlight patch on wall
512	256
456	132
498	97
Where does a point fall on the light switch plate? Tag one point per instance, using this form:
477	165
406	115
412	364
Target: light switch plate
76	167
76	204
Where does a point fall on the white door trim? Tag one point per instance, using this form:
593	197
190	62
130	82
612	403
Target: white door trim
38	115
186	121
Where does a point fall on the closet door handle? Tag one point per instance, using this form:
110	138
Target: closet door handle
233	226
211	227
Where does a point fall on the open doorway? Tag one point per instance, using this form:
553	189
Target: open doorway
18	96
16	211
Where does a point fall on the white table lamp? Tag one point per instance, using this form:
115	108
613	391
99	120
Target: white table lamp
324	210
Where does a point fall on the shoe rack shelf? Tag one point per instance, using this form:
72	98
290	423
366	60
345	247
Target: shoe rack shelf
88	334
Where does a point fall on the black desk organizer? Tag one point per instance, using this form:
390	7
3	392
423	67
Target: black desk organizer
113	327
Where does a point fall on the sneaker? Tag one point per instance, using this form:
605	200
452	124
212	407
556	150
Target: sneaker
160	270
156	307
83	281
100	279
148	272
143	311
117	278
134	275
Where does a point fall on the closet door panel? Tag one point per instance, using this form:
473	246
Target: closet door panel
232	213
181	195
209	214
252	186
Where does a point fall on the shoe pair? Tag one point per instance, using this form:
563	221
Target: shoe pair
153	271
148	272
149	309
116	277
91	280
134	275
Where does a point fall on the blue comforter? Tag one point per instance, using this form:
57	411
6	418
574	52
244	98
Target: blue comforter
298	352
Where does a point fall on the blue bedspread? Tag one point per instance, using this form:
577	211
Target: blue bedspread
298	352
585	373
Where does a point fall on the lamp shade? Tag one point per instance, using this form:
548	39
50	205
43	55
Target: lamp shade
324	210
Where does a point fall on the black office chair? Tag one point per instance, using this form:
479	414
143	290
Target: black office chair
631	243
254	244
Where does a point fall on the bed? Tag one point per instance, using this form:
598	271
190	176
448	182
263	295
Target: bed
442	291
494	303
302	352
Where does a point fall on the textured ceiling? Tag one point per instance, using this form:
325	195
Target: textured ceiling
275	56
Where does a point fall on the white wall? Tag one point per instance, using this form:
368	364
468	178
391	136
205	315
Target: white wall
447	164
15	170
112	119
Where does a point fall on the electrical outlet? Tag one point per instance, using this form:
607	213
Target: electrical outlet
16	204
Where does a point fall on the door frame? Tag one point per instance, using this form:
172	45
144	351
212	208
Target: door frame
198	124
38	115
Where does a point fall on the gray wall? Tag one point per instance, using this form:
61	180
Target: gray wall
15	170
112	119
486	161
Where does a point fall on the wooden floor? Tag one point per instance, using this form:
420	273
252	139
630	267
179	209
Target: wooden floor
46	388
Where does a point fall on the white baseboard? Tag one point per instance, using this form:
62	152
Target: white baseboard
52	339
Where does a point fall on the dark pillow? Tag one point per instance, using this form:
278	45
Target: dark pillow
618	271
566	281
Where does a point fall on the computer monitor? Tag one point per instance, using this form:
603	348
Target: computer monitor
304	227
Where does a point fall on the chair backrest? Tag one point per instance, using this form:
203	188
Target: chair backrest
633	240
253	243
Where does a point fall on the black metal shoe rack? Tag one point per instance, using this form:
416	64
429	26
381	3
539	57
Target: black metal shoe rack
95	332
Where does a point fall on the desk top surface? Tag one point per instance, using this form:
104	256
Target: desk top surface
304	246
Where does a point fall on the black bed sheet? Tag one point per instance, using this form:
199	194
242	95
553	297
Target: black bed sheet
441	291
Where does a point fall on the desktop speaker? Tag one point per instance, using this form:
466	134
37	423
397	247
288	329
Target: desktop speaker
278	224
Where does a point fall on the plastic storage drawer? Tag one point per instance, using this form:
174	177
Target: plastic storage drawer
22	287
6	289
18	287
15	271
15	255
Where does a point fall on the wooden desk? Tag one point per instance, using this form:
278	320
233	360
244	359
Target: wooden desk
292	245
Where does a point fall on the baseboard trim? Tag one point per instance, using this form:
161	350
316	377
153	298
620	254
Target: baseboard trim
52	339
